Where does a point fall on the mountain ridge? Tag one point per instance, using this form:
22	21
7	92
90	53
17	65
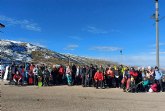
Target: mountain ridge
27	52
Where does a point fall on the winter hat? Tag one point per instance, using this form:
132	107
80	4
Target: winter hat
149	67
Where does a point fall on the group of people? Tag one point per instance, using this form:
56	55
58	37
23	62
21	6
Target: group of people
130	79
143	80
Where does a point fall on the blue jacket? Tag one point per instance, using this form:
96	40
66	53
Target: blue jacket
158	74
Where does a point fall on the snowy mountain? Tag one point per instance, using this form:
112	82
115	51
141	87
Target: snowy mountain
21	51
14	50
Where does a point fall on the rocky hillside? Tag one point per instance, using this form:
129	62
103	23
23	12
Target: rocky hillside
26	52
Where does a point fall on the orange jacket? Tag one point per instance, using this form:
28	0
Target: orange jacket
110	73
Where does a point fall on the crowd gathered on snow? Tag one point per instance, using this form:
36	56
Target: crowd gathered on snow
129	79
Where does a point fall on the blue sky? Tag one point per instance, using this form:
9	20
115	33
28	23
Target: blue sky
92	28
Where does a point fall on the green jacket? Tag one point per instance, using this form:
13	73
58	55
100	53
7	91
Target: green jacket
145	83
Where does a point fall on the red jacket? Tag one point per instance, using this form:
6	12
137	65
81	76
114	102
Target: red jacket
17	77
99	76
61	70
133	73
154	87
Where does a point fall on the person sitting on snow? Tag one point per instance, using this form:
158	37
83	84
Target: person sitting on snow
153	87
17	78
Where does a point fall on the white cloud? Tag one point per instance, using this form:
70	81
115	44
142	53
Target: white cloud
142	59
105	48
154	53
162	52
160	44
26	24
138	60
96	30
71	47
